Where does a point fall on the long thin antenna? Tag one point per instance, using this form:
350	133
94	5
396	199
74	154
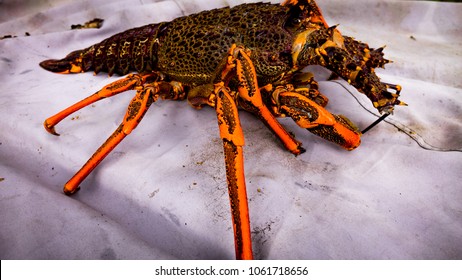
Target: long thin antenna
375	123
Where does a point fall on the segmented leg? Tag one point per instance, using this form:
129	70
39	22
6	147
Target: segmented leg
127	83
305	84
239	65
146	94
233	140
135	112
310	115
250	95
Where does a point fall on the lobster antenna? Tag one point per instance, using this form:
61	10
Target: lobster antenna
375	123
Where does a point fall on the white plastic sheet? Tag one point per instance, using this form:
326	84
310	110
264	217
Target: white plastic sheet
162	193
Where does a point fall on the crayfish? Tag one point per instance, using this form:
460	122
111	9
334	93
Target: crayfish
246	57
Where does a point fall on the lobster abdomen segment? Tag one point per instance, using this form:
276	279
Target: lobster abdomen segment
131	50
70	64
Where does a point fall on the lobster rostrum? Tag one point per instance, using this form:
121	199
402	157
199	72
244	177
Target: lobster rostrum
250	57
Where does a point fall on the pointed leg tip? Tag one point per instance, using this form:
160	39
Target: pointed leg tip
50	128
70	191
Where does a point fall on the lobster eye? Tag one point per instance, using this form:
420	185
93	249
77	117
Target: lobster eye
296	21
293	22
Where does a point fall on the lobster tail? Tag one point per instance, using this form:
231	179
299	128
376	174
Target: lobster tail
72	63
131	50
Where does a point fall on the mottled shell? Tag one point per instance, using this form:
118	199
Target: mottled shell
193	46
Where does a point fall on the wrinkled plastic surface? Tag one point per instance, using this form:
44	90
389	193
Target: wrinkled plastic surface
162	193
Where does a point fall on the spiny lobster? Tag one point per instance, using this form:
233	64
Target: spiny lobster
251	57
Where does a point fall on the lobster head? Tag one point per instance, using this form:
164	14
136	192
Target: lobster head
315	43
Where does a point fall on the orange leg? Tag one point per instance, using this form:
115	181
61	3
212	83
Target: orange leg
305	84
128	83
249	92
135	112
310	115
239	65
233	140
